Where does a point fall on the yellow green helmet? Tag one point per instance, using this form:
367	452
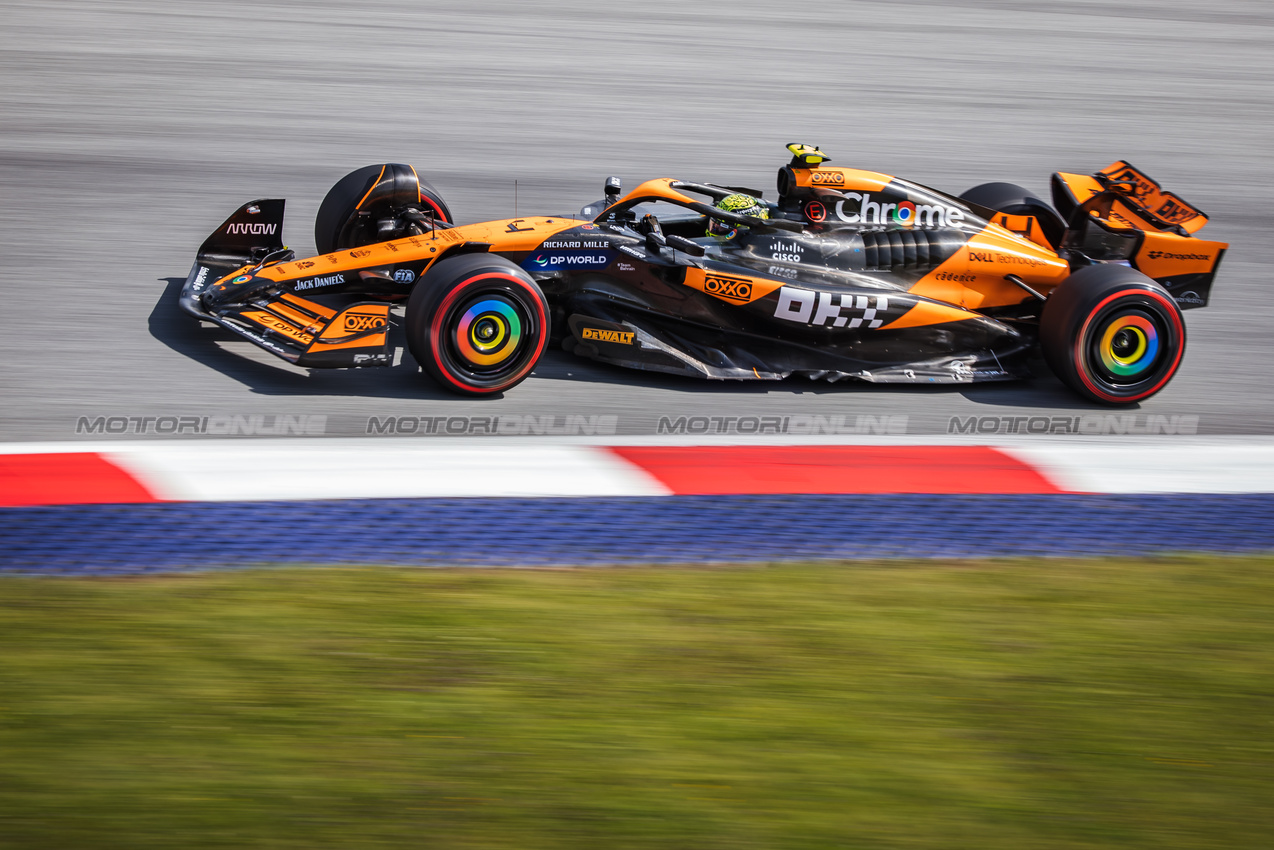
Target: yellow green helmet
740	204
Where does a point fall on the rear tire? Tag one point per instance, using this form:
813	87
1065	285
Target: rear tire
1112	334
477	324
1015	200
350	214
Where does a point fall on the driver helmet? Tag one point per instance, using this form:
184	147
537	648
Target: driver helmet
737	203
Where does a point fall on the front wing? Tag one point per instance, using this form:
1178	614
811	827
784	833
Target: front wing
298	330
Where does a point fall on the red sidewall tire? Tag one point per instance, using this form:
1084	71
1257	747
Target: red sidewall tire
431	200
477	324
1112	334
1093	382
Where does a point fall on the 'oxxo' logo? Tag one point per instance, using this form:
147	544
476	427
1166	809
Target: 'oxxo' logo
355	322
729	288
827	178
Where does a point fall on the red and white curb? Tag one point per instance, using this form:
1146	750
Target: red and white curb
361	468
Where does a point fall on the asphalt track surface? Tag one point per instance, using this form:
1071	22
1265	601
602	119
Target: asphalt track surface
129	130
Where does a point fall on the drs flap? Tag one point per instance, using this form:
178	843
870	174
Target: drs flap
1162	205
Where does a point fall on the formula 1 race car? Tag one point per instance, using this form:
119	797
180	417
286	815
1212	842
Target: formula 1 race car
849	274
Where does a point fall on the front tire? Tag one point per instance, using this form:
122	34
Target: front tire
351	213
1112	334
477	324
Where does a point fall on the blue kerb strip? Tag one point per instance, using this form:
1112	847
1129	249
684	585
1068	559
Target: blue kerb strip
127	539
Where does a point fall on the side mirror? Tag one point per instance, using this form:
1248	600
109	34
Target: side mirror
612	190
685	245
654	233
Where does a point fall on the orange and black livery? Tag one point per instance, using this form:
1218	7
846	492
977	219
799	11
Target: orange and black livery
845	274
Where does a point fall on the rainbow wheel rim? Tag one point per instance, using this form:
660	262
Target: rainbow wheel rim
489	332
1129	346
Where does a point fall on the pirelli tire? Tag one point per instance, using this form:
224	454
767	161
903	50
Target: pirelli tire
1016	200
477	324
350	214
1112	334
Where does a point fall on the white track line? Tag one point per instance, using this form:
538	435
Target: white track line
1151	468
259	470
361	467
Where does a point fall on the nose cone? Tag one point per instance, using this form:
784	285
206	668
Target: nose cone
235	287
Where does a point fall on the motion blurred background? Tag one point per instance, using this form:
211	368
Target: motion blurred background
1013	704
131	129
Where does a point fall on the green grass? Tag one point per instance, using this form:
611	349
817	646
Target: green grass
1043	704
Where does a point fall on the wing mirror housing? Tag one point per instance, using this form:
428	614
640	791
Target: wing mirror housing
685	245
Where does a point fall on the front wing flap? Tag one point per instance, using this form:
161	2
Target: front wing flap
321	337
298	330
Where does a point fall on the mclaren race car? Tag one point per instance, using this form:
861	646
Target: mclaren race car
846	274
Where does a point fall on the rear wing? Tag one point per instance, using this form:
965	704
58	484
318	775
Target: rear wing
1119	214
1137	198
